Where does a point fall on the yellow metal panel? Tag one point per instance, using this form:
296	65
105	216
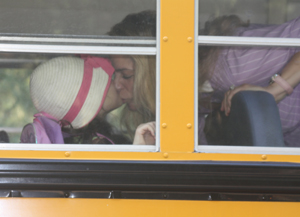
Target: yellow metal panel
175	156
16	207
177	75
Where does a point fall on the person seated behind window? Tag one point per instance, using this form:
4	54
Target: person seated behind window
135	76
232	69
78	93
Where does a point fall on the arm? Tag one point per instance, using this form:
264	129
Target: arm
145	134
290	73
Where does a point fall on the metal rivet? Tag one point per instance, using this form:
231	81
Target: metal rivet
166	155
165	38
67	154
190	39
164	125
264	157
189	125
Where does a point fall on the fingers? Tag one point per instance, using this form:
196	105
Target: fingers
226	103
225	106
143	130
152	128
228	100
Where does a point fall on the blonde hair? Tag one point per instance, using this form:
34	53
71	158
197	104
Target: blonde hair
139	24
143	94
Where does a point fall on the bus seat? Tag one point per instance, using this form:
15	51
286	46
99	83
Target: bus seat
253	121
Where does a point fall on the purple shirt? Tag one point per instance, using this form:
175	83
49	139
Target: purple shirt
256	65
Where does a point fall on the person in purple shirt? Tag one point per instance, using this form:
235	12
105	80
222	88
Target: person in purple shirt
228	70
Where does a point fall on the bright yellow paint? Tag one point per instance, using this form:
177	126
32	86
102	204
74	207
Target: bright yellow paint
177	143
175	156
36	207
177	75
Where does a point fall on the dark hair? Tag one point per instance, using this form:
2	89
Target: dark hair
138	24
88	134
214	129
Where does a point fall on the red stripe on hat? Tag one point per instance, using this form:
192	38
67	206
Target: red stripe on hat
90	62
82	94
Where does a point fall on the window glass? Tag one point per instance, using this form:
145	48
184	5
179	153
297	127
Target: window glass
242	101
66	17
109	96
254	15
248	94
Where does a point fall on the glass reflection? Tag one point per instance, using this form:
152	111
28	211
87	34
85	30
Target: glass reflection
68	18
254	13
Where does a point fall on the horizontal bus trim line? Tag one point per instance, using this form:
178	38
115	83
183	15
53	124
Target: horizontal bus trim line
77	49
262	178
248	41
150	195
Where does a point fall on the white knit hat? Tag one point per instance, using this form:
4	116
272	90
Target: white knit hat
70	88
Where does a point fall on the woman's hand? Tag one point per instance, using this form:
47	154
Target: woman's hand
290	73
226	103
145	134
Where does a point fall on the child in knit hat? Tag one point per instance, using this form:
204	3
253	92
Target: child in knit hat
73	95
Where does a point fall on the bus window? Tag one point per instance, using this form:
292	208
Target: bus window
253	72
123	35
26	90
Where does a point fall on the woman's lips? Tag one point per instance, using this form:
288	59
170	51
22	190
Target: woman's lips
130	104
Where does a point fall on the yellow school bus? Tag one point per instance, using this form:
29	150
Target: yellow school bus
177	176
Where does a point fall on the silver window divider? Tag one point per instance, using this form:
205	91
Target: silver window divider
77	49
248	41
